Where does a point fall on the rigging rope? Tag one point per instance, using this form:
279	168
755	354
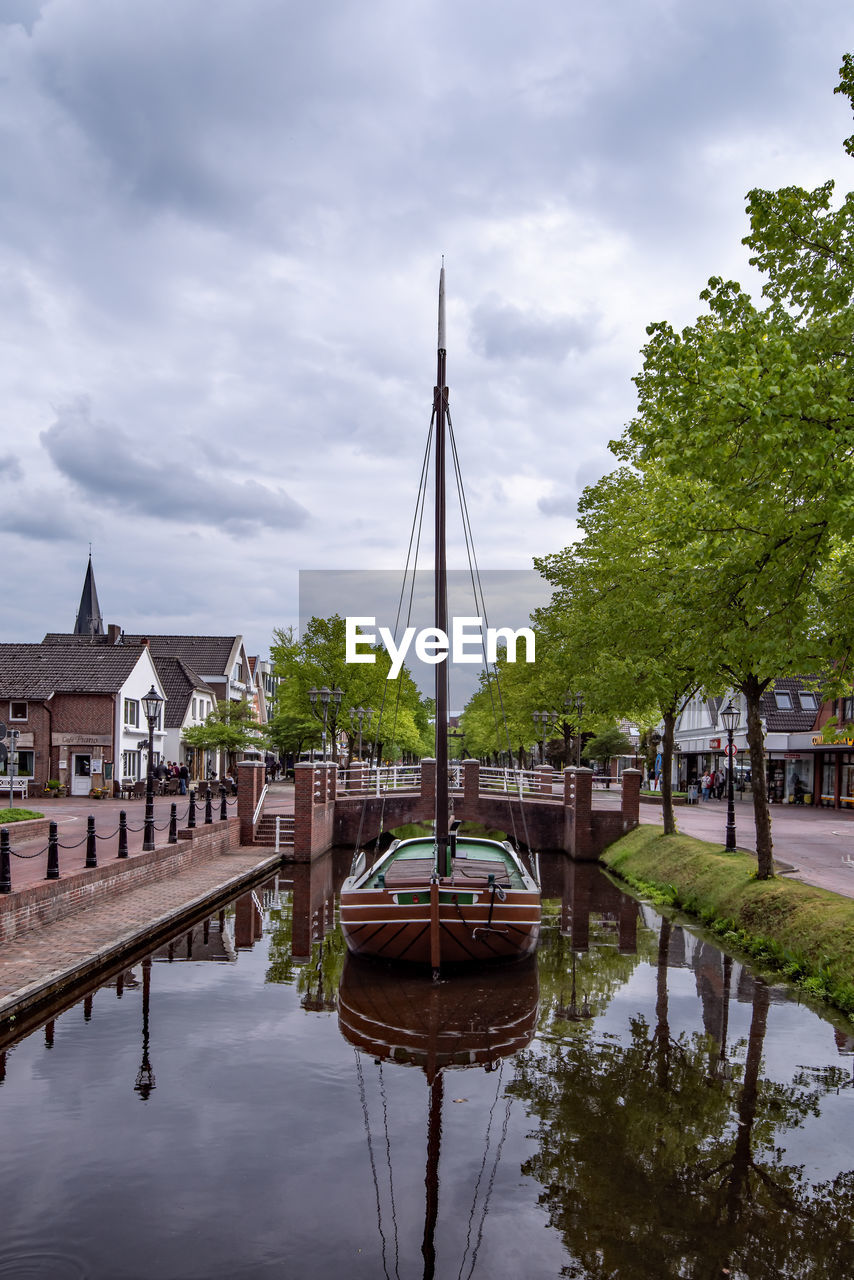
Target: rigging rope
371	1154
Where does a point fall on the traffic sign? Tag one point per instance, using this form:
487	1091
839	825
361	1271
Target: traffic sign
734	750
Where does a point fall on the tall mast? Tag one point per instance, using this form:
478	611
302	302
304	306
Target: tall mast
440	411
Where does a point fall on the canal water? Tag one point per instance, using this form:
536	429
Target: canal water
246	1103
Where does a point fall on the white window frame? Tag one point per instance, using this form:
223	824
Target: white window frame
131	704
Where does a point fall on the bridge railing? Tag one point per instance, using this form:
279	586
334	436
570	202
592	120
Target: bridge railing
531	782
360	780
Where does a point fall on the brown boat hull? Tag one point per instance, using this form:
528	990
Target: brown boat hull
473	929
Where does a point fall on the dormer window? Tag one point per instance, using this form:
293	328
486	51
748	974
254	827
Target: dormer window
783	699
809	701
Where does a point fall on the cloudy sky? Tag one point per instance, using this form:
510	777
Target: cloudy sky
222	225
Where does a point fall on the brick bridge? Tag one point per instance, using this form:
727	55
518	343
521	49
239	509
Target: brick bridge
556	812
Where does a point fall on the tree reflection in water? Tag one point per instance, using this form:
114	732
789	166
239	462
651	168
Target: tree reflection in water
655	1159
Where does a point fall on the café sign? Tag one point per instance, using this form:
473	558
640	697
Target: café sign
81	740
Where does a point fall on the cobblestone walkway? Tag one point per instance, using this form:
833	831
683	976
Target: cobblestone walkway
42	962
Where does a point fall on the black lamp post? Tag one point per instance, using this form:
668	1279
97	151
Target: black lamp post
547	719
151	704
578	700
359	714
325	695
729	717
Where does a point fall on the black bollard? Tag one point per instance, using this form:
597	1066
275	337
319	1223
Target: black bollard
123	834
223	804
5	862
208	807
91	843
191	820
52	853
173	824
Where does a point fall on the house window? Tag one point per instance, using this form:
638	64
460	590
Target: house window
132	712
26	764
17	710
848	710
809	702
783	699
130	765
195	705
238	671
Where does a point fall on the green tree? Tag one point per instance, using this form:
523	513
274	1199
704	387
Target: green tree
230	727
318	659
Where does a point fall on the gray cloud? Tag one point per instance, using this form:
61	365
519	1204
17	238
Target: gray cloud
160	478
223	223
10	467
501	331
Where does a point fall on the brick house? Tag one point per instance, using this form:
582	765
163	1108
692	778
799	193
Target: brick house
78	710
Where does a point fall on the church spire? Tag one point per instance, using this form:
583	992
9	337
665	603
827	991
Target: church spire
89	621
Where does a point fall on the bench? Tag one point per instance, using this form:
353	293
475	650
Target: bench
17	784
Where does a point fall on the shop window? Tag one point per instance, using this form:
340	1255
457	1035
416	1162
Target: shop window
17	710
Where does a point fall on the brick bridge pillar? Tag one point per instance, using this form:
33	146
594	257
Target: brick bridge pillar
578	807
545	779
428	781
314	808
471	785
250	784
630	805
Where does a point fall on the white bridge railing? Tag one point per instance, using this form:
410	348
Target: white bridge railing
520	781
362	781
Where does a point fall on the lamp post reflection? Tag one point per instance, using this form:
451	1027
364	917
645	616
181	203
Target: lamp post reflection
145	1076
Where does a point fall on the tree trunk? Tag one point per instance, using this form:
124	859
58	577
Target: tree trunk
752	691
666	768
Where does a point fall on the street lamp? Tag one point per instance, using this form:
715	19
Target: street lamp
578	700
729	717
324	695
547	719
151	704
359	714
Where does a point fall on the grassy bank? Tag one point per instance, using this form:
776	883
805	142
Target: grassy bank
803	933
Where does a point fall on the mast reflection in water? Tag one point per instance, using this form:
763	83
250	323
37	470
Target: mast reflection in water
636	1104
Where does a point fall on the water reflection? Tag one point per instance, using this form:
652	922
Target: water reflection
657	1106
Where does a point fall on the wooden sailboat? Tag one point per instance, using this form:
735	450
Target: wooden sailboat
447	898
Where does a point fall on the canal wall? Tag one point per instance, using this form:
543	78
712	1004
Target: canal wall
567	823
52	900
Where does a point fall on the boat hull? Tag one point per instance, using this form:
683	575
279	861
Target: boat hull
394	925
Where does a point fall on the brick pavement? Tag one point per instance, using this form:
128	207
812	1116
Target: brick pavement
71	814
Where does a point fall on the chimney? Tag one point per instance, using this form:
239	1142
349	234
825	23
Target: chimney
113	633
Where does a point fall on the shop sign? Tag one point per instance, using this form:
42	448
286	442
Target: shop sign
818	741
715	744
81	740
